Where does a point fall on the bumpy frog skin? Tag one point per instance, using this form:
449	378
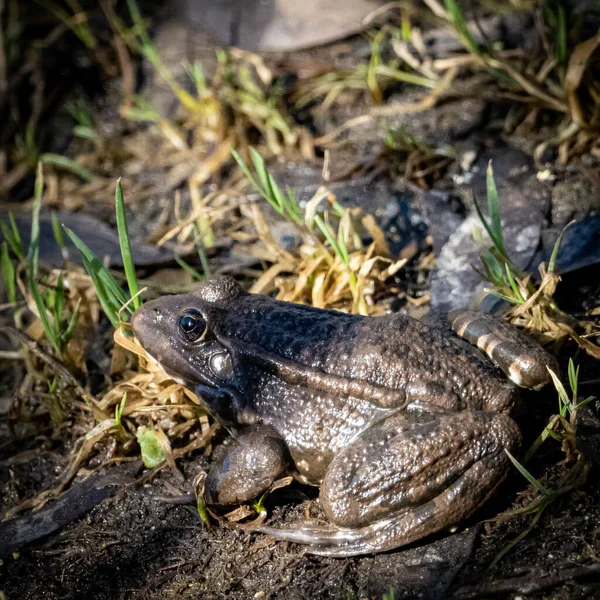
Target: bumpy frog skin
401	424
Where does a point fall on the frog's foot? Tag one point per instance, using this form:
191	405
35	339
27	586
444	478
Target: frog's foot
409	477
524	361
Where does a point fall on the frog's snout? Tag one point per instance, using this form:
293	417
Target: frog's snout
145	323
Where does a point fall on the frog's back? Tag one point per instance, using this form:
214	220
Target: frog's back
392	352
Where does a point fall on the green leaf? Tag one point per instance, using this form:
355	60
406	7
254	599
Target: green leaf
34	244
43	314
10	239
460	24
8	274
119	410
563	398
494	210
555	249
125	246
247	171
326	230
514	286
152	451
189	269
58	235
68	332
107	303
67	164
538	486
573	376
104	275
199	239
58	302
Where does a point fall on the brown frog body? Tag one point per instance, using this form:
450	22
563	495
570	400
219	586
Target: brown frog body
403	425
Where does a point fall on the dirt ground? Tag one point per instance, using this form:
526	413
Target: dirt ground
131	542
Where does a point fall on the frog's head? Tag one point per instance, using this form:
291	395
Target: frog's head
178	333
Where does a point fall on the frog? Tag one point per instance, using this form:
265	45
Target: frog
404	425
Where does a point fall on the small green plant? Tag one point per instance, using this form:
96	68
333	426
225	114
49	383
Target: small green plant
153	453
119	408
561	427
110	294
308	223
49	302
76	21
373	77
390	595
80	111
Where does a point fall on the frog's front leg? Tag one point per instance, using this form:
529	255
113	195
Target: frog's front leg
412	475
256	459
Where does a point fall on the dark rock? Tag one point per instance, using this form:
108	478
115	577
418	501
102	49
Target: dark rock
101	239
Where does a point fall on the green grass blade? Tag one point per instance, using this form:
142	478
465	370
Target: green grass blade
105	302
189	269
494	210
68	332
498	294
128	264
247	172
556	248
563	398
43	314
67	164
460	24
109	282
8	274
58	235
573	377
16	236
33	253
9	237
199	239
513	285
326	230
532	480
59	303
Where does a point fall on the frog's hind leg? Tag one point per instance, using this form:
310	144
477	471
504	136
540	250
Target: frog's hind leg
411	476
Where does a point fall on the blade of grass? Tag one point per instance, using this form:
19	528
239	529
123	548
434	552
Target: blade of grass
43	314
63	162
532	480
494	210
102	273
58	236
58	304
189	269
125	246
105	302
513	285
68	332
8	275
247	172
33	253
10	239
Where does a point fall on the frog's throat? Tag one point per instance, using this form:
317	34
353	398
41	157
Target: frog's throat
156	362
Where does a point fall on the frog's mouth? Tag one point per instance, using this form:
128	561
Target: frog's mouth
156	362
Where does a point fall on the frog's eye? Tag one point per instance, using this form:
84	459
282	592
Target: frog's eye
191	325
